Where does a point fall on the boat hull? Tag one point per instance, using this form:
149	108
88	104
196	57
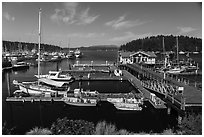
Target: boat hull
20	67
128	106
80	104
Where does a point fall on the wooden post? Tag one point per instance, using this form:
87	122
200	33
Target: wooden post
166	94
168	110
184	102
164	75
179	119
172	100
8	84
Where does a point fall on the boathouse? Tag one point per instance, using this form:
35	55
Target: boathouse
143	57
137	57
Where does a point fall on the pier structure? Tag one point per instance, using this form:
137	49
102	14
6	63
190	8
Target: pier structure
87	75
176	94
151	97
106	64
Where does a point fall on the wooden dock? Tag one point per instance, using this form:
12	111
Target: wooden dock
147	94
93	65
33	99
190	96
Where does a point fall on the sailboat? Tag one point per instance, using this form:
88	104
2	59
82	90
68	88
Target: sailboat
176	69
70	54
196	51
42	85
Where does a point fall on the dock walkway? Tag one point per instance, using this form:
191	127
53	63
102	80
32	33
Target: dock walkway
190	95
147	94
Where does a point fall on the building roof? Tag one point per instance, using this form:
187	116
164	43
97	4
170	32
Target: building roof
148	53
126	54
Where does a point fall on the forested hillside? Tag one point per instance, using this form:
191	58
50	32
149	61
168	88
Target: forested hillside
14	46
154	43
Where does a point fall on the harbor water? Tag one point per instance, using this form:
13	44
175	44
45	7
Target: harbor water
25	116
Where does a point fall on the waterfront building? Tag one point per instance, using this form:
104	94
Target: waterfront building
143	57
137	57
125	57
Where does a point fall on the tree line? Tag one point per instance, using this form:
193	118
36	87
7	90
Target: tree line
155	43
10	46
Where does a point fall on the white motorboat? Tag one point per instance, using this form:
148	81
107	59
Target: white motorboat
118	72
84	102
58	76
126	104
20	65
77	53
175	70
70	54
78	92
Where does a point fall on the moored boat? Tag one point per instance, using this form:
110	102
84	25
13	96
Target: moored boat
128	106
44	86
70	54
175	70
20	65
77	53
56	58
118	72
84	102
58	76
126	103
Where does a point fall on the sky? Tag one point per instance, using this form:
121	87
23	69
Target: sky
99	23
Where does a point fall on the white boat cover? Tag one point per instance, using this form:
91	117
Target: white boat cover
52	82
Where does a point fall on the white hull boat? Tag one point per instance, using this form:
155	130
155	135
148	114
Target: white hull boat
58	76
83	102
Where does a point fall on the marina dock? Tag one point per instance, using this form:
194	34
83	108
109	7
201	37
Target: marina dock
143	93
146	81
183	95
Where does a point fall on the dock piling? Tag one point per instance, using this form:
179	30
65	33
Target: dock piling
169	110
8	84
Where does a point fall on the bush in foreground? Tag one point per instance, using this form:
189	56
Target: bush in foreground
103	128
39	131
191	124
6	130
72	127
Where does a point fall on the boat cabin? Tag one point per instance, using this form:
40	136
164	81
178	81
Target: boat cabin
58	74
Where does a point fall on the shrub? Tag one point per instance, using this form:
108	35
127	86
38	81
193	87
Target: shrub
72	127
6	130
192	124
39	131
102	128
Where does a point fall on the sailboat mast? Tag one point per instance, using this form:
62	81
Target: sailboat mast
39	41
69	45
177	50
164	53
